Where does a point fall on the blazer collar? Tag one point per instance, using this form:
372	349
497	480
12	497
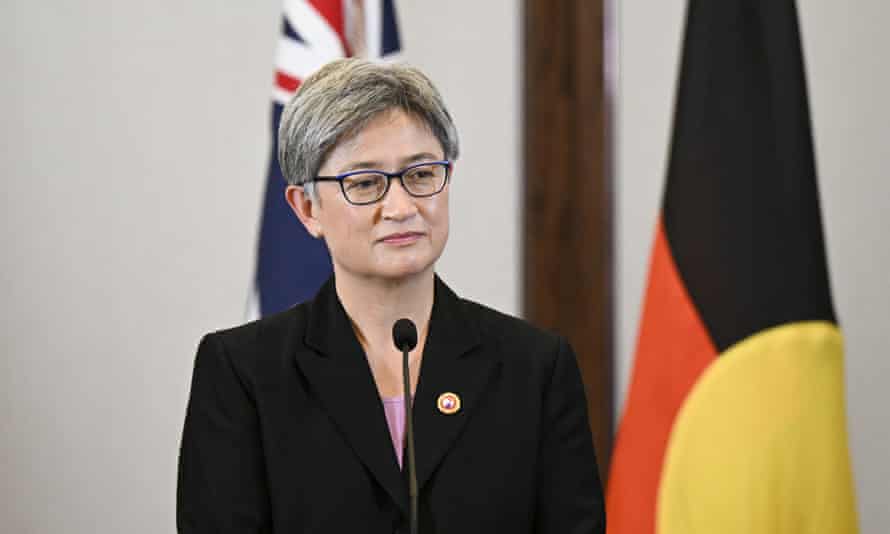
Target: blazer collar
339	373
455	360
329	330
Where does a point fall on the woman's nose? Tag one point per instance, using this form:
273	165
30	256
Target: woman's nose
398	203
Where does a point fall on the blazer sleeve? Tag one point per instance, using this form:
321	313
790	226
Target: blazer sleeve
222	486
569	496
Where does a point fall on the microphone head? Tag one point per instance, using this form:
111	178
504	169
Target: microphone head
404	335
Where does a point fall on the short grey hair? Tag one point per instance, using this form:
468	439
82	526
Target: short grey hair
341	98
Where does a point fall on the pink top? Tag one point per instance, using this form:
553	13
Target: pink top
394	408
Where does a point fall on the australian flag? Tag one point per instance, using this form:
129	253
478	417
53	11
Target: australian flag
291	264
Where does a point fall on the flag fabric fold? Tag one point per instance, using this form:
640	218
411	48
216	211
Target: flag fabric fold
735	418
291	265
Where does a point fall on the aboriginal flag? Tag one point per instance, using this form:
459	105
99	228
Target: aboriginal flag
291	264
735	419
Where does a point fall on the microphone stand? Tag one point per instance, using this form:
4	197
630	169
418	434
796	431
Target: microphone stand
409	438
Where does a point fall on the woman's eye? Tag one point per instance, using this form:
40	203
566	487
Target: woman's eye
369	183
420	175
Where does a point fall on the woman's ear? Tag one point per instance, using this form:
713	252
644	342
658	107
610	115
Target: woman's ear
304	208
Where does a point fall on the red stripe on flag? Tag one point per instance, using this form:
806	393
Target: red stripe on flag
332	11
286	81
672	351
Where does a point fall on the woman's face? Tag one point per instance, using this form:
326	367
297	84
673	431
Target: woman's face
399	235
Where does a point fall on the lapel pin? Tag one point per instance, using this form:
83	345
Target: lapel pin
448	403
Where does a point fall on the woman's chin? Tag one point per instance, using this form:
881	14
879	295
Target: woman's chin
405	269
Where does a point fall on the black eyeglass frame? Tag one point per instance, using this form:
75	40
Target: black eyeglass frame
389	176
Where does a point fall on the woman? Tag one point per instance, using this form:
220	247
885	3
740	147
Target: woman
294	425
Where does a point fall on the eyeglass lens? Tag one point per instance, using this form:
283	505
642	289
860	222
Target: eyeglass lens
420	181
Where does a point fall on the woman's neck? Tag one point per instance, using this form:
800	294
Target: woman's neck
374	307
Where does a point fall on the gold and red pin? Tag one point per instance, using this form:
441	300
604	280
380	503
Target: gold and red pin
448	403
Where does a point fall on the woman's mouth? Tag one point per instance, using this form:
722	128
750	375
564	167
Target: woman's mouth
402	238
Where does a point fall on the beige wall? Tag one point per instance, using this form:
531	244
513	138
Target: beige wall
133	151
849	82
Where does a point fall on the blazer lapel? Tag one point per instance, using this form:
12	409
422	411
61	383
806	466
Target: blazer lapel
450	365
340	376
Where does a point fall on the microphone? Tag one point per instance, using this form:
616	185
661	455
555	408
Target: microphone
404	336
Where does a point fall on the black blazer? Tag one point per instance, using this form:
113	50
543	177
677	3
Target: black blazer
285	431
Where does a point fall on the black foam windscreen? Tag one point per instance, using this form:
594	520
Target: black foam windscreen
404	335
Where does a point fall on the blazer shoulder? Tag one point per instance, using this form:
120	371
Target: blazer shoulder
512	334
249	344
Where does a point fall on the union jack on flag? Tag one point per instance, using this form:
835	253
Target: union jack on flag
291	264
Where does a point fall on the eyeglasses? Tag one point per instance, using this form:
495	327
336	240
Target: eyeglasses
368	186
